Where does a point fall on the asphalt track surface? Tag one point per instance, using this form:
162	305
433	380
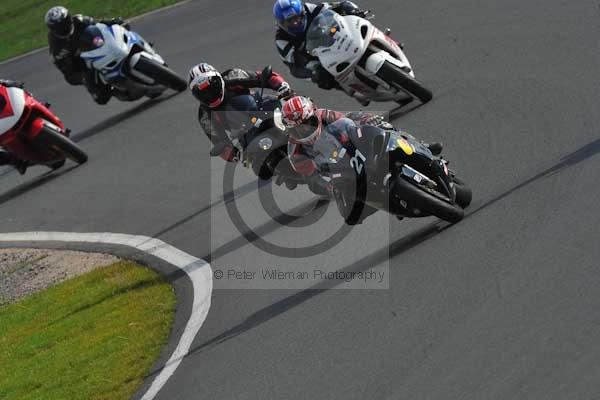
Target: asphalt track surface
502	305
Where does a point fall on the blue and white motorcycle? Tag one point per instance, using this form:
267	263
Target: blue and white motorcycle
127	62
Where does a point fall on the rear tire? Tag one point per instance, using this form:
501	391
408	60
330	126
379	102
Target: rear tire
429	204
392	74
163	75
62	145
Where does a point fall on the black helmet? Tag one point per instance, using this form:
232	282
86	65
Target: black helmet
207	85
59	21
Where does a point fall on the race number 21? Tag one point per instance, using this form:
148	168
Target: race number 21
358	161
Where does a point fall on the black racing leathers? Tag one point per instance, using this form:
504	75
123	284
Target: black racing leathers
64	53
212	120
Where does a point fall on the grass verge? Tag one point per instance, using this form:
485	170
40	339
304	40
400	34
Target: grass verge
22	25
92	337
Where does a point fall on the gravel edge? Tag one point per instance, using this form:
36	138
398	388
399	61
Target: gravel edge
27	271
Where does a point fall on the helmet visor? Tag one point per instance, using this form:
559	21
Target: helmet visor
209	91
62	28
304	130
294	24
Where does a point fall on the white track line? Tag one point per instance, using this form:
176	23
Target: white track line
199	272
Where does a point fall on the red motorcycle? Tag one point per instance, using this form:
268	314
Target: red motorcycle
30	131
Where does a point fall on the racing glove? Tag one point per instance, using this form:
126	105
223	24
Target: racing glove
349	8
284	91
375	120
117	21
230	154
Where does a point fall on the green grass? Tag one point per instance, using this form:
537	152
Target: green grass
92	337
22	25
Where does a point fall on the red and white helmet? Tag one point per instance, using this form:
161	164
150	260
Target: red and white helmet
207	85
302	121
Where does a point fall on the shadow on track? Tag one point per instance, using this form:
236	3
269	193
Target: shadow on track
248	237
568	161
395	249
239	192
117	119
37	182
368	262
107	124
396	113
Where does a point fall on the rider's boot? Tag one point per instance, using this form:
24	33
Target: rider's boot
21	166
364	101
7	158
154	91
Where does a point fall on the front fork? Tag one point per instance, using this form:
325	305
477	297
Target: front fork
442	178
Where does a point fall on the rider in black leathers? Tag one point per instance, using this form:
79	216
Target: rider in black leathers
64	42
215	90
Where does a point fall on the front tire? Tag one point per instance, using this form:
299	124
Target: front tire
161	74
429	204
463	193
392	74
62	145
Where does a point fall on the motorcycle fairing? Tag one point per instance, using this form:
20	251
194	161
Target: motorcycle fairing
353	50
14	104
108	55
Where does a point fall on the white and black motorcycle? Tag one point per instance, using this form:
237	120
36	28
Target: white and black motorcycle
127	62
366	62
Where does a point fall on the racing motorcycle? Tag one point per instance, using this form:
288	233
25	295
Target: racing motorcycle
373	168
30	131
366	62
127	62
256	130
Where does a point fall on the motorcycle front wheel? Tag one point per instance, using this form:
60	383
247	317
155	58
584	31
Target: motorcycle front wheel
427	203
62	145
161	74
392	74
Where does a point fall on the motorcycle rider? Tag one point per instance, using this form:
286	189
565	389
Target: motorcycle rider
7	158
215	90
304	124
64	41
293	19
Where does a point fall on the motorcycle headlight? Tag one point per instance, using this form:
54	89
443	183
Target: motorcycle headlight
278	119
265	143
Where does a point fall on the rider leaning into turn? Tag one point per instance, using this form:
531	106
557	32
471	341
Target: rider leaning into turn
214	90
304	124
293	19
7	158
64	42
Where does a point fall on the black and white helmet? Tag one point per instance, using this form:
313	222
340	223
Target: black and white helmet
59	21
207	85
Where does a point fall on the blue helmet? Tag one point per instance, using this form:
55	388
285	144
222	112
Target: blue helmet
290	16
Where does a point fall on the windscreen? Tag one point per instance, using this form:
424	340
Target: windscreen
322	30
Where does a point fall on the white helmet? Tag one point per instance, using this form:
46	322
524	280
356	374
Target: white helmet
207	85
